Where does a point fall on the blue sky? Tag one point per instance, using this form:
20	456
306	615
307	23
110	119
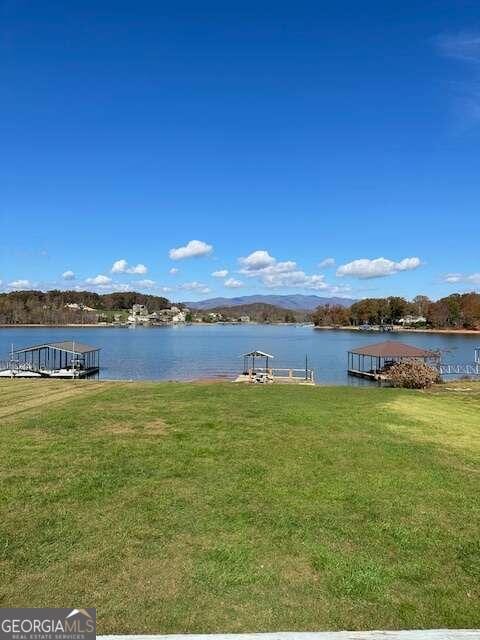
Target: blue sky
307	147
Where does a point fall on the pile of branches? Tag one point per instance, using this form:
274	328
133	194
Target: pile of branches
412	374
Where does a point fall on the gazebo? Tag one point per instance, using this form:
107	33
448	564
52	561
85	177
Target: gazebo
255	355
373	359
267	374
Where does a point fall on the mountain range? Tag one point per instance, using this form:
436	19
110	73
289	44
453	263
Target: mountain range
296	302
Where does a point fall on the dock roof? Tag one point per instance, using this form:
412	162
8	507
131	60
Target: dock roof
70	346
257	354
393	349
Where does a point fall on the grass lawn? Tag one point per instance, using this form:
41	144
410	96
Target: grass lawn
220	507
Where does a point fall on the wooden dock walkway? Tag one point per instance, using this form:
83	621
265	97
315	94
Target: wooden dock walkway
277	376
368	375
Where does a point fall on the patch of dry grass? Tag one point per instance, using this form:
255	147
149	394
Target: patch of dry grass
448	417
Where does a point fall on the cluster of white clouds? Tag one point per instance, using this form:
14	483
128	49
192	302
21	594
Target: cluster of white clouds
106	283
259	266
122	266
286	274
377	268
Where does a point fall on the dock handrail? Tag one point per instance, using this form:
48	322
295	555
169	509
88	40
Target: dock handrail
306	374
17	367
459	369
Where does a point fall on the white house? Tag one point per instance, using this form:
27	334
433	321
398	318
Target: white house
139	315
412	320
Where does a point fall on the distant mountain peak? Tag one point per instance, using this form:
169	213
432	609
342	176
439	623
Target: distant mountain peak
294	302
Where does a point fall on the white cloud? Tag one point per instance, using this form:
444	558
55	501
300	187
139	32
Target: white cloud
107	287
231	283
327	262
222	273
465	47
284	274
257	260
122	266
68	275
173	271
119	266
139	269
99	280
115	286
192	249
377	268
462	46
463	278
474	278
20	284
148	284
452	278
197	287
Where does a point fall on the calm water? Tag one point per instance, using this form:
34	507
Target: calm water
201	351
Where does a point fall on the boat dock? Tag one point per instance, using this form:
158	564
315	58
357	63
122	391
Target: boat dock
373	361
254	374
67	359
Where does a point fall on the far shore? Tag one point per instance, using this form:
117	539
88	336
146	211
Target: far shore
60	326
402	330
110	325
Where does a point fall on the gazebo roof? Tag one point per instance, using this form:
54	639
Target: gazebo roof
67	345
392	349
257	354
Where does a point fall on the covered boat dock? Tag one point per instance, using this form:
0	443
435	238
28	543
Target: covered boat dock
372	361
67	359
253	373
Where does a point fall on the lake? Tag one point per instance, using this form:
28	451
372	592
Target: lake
187	352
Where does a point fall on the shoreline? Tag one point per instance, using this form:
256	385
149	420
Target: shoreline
401	330
112	325
269	324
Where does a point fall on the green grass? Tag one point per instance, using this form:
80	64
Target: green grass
220	507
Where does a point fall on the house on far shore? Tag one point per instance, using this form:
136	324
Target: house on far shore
74	306
174	314
178	315
244	318
140	315
409	320
215	317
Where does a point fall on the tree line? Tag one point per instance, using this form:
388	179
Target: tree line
49	307
457	311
